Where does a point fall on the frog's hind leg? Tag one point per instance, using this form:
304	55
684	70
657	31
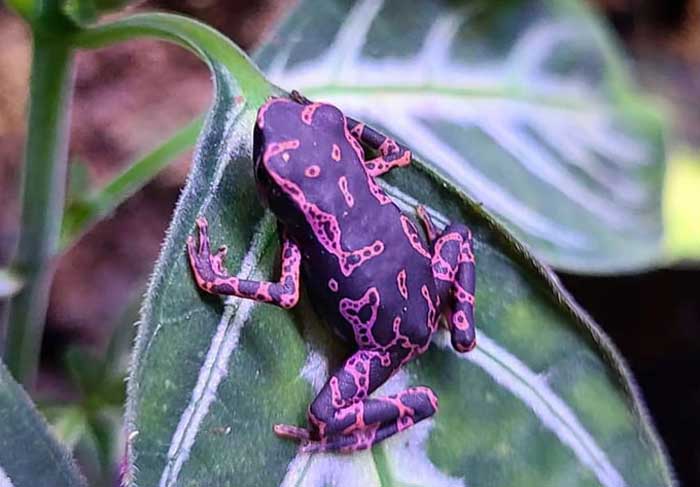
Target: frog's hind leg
454	272
343	418
391	153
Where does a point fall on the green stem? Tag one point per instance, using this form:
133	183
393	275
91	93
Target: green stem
225	59
43	182
88	210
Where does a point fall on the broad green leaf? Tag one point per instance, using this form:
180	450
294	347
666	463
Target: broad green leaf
543	400
29	454
523	105
682	205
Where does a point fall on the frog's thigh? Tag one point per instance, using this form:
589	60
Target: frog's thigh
342	406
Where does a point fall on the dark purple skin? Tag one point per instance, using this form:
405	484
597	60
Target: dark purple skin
367	269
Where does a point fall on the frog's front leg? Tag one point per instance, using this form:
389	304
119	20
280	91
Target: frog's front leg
454	272
343	418
211	276
391	153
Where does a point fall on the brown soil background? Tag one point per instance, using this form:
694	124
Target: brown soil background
123	102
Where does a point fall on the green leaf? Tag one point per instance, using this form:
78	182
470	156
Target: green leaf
29	455
69	424
543	400
682	206
524	105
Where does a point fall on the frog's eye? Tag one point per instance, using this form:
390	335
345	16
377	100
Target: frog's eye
312	171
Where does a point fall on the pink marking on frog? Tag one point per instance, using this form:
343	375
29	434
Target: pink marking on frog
335	153
326	228
462	295
405	417
432	311
350	310
411	232
358	411
333	285
312	171
263	110
307	113
276	148
364	438
389	146
359	151
460	321
377	191
343	185
401	283
358	129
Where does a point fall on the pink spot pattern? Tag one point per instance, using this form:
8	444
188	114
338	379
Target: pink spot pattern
412	234
327	230
276	148
377	191
312	171
350	310
460	321
432	310
335	153
307	113
462	295
401	283
343	185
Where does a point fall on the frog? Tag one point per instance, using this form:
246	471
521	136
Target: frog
382	285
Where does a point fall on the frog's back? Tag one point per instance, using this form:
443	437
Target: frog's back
363	260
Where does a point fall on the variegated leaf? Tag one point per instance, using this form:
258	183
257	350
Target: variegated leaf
524	105
543	400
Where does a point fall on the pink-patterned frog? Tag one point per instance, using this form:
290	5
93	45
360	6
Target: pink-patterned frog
366	267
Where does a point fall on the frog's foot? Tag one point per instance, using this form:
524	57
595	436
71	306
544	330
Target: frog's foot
207	268
454	272
343	418
217	261
391	153
373	421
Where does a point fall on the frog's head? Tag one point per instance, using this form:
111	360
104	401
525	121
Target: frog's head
295	162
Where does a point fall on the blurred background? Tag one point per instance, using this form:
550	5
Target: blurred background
654	318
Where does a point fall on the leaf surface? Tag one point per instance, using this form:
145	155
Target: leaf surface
525	106
29	454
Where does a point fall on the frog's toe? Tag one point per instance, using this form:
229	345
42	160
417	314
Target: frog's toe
308	446
202	223
291	432
217	261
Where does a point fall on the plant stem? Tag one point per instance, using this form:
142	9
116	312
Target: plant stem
81	214
43	188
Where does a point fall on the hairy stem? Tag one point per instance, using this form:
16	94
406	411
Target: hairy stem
43	187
